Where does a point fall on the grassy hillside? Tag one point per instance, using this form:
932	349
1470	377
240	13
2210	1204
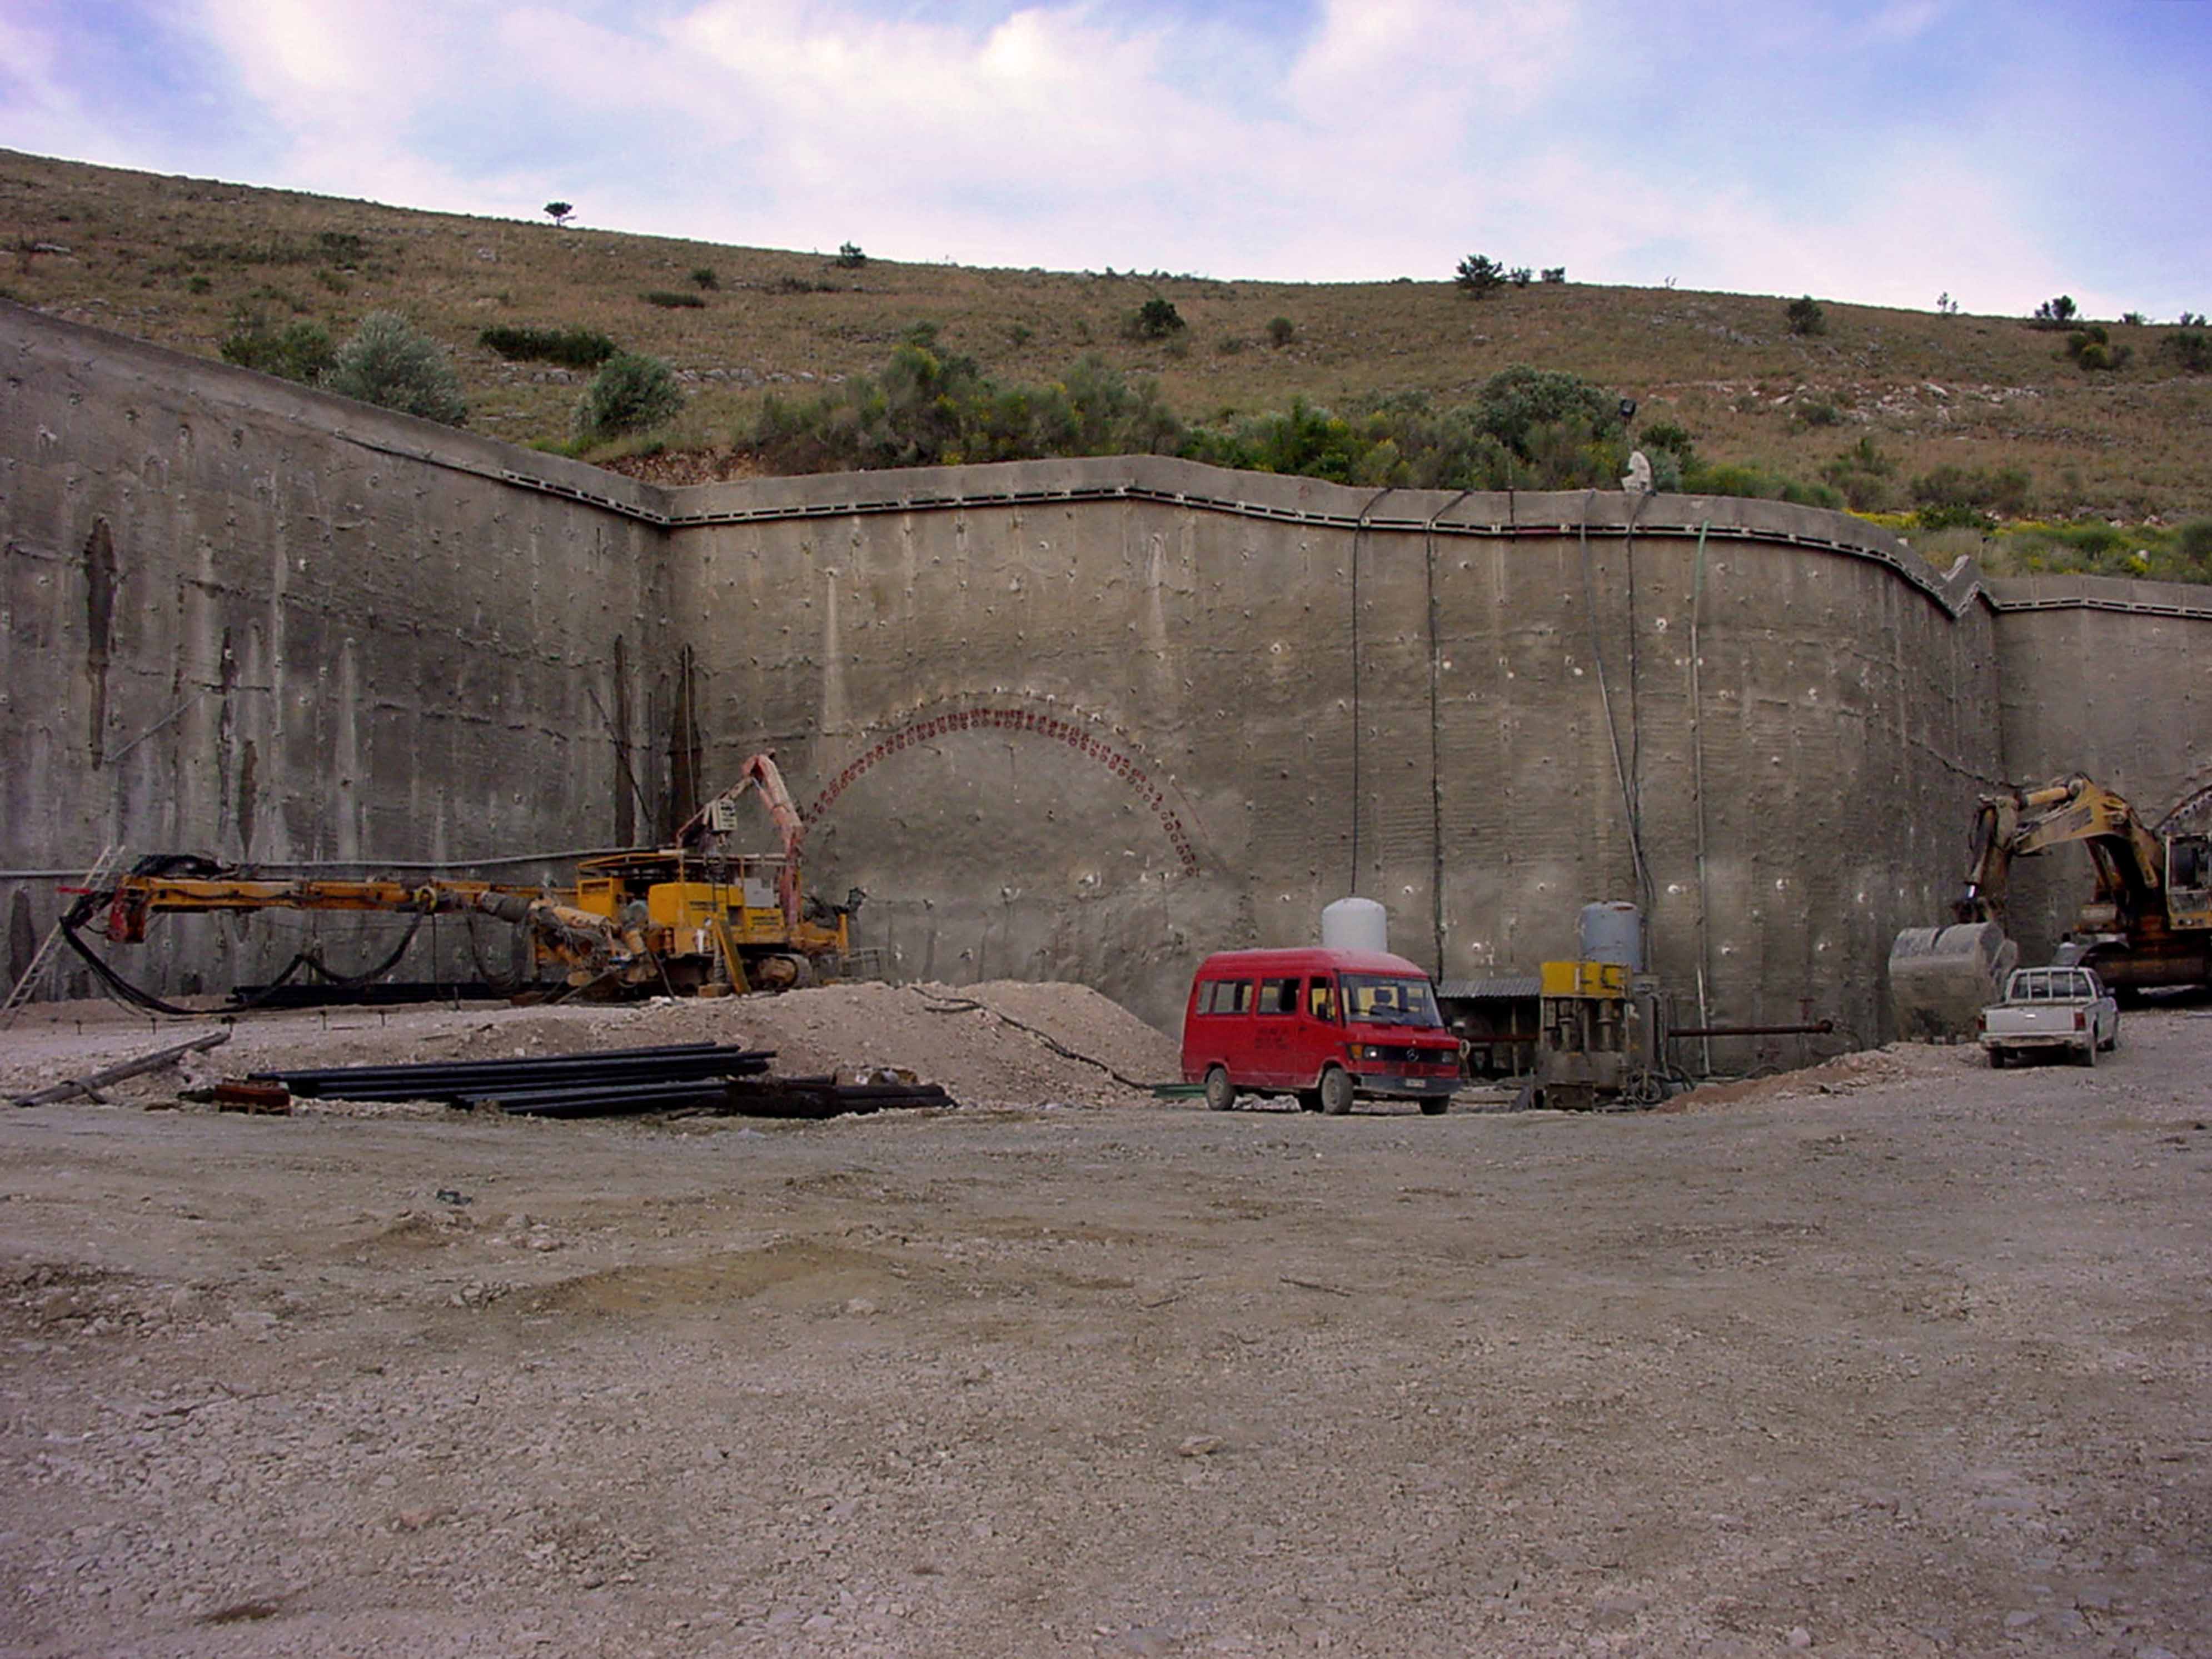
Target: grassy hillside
182	261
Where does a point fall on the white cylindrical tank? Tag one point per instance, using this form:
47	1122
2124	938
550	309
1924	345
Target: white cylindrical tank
1355	924
1610	932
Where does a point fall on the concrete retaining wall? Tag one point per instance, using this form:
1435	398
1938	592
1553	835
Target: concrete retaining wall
252	619
1085	719
1205	626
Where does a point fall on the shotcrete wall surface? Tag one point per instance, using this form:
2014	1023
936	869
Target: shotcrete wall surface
1085	719
2109	677
1476	709
252	619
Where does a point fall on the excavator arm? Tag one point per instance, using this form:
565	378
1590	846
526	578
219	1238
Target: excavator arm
2145	926
2022	822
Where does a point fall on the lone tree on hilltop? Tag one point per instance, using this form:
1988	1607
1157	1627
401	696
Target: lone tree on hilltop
561	212
2058	313
1478	274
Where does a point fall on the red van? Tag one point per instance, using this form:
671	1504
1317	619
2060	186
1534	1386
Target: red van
1329	1026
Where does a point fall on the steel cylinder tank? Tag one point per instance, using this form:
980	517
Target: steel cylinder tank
1610	932
1355	924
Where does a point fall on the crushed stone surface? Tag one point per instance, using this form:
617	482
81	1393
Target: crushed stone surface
1915	1365
959	1038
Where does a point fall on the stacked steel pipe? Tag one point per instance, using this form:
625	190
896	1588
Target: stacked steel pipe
612	1083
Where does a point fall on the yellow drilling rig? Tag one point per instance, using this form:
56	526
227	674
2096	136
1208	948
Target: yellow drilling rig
696	918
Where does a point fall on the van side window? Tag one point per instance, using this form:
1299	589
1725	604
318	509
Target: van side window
1227	996
1320	999
1279	996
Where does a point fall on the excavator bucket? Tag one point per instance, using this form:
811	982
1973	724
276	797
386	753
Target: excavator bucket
1940	978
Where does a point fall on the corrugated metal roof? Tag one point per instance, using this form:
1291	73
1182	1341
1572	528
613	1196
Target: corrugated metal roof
1487	990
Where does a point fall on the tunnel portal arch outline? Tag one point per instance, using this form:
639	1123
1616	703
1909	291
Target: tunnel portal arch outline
1085	735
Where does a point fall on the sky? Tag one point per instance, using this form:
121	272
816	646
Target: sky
2002	152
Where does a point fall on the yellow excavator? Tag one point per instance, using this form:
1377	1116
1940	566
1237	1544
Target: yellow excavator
2148	925
696	917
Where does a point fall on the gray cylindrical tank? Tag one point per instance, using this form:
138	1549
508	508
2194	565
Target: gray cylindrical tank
1355	924
1610	932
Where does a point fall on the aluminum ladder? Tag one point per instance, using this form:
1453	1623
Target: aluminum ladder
110	858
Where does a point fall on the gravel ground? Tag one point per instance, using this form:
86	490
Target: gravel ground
1910	1357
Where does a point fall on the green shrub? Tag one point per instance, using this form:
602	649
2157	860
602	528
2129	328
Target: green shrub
2005	490
704	276
789	284
672	299
199	284
1819	414
2092	347
1953	516
388	362
342	246
631	393
1670	435
1280	332
577	348
1478	274
1230	346
1156	319
2058	313
1866	475
1555	273
1805	316
299	351
849	256
2191	348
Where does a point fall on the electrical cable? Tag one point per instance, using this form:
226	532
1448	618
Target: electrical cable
1358	534
1605	696
1436	737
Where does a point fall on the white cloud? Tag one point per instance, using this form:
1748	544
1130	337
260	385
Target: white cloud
1395	137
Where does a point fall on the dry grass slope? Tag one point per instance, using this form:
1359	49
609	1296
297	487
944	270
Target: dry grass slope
178	260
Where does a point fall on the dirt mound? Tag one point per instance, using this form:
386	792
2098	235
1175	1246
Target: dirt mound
995	1043
1846	1074
1000	1043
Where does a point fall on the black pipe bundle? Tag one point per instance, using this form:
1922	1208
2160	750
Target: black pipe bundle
698	1077
459	1082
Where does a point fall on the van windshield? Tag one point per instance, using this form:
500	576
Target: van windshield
1389	999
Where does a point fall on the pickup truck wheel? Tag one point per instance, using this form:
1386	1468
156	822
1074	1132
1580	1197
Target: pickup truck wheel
1220	1092
2089	1052
1999	1059
1336	1089
1436	1106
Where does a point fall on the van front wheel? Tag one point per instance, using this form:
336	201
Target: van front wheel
1336	1092
1221	1093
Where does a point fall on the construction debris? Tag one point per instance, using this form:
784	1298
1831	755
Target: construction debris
90	1086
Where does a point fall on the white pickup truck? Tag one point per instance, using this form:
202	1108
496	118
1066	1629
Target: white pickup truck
2049	1008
